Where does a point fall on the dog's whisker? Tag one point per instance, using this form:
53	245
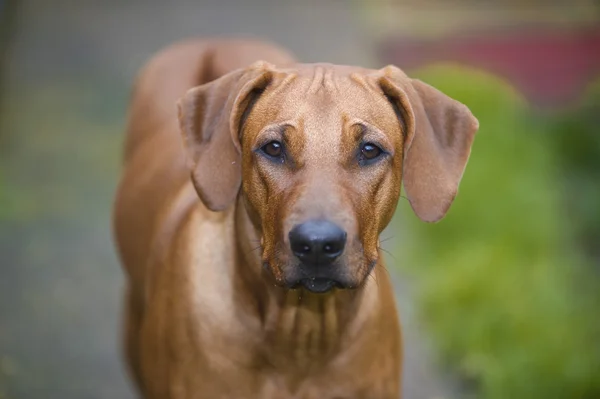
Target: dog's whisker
387	271
386	239
372	278
254	249
388	252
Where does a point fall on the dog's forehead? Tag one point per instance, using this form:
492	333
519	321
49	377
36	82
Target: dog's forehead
324	94
323	97
309	70
322	77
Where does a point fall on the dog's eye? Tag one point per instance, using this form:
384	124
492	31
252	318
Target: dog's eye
273	149
370	151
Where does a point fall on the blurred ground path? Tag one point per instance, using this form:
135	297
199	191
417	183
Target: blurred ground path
66	85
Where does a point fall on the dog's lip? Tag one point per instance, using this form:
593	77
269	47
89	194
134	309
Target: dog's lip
317	285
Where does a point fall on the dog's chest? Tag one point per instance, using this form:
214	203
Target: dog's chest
328	385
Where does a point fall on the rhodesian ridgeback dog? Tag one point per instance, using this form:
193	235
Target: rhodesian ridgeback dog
248	217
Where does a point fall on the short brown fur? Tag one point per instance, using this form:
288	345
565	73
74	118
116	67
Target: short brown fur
209	308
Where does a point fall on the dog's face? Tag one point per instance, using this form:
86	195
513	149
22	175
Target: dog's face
318	154
321	167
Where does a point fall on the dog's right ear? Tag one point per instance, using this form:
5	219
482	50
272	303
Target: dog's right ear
210	118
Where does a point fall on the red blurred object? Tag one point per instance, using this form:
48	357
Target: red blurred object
549	67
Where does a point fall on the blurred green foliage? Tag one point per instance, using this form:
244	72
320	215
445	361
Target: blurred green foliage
510	298
577	140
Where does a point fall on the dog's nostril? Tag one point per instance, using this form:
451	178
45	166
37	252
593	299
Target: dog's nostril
331	248
300	247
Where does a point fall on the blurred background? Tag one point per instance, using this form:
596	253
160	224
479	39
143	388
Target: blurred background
499	300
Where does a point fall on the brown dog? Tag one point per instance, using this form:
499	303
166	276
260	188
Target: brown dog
261	276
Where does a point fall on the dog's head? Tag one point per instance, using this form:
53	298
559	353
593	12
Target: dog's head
319	153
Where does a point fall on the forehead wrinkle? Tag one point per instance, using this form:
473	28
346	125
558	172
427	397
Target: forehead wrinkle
317	81
283	84
360	81
275	102
375	111
330	81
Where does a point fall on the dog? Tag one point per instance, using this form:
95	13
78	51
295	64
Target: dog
248	215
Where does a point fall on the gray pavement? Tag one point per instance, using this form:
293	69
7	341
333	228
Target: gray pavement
66	84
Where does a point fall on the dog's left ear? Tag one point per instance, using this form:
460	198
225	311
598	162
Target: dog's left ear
210	118
439	132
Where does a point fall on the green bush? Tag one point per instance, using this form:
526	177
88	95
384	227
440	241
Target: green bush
507	298
578	143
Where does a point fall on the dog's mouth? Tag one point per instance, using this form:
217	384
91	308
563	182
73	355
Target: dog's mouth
317	285
319	282
317	279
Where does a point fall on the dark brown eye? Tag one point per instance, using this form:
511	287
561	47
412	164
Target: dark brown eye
370	151
273	149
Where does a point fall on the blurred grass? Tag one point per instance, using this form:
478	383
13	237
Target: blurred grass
503	285
59	158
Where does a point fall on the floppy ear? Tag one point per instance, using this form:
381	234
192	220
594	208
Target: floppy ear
439	134
210	118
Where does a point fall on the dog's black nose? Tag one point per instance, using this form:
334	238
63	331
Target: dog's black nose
317	242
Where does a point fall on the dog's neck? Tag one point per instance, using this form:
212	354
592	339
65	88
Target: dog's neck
300	328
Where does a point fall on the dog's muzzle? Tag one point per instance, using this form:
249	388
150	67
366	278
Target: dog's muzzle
317	244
